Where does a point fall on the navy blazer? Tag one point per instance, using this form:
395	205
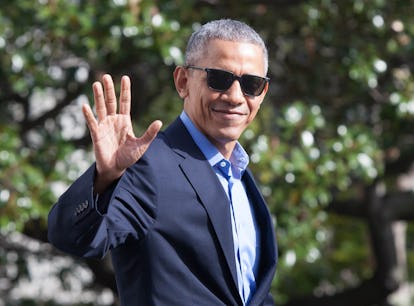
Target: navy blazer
167	224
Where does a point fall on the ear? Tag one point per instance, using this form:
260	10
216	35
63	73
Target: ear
264	92
266	88
181	81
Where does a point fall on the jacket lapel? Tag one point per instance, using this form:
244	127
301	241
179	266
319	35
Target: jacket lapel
214	200
268	258
204	181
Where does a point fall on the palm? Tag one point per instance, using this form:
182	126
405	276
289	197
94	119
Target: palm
115	145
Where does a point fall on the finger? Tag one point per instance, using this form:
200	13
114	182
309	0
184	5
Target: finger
109	94
99	99
125	96
90	119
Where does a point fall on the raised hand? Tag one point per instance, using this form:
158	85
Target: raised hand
114	142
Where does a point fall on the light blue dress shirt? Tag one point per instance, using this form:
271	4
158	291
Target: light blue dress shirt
246	234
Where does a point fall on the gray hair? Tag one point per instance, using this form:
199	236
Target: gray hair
224	29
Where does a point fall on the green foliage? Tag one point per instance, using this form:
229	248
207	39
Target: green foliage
339	108
307	262
410	245
26	178
301	165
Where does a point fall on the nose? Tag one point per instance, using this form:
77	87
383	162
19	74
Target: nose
235	94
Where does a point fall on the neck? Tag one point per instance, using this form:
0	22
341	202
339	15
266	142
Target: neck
225	147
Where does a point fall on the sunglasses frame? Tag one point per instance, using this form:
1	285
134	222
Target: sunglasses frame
234	77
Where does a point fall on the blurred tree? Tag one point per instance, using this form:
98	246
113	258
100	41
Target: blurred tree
333	146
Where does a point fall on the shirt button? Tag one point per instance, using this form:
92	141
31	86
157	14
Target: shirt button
223	164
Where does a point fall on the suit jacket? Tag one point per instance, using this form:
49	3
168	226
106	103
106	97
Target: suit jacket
167	224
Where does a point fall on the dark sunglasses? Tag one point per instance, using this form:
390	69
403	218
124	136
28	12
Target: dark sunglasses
221	80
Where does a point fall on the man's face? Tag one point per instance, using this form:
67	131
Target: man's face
223	116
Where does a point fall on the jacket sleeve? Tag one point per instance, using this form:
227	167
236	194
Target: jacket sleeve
86	226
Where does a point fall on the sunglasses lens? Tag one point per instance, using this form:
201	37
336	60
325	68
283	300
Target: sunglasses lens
252	85
219	79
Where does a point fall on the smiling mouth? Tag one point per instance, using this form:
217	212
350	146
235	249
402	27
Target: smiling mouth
229	112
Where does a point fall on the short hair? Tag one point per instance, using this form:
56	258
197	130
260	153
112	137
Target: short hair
224	29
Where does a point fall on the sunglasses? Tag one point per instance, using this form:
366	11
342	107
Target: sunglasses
221	80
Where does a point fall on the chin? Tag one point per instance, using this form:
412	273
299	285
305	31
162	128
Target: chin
228	137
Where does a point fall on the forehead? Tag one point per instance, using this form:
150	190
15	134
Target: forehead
234	56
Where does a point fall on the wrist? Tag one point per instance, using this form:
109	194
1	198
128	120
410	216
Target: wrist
103	179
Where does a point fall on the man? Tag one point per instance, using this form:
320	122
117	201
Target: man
179	210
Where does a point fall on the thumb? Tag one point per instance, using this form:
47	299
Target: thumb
151	132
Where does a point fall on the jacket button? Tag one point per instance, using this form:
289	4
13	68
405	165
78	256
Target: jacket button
81	207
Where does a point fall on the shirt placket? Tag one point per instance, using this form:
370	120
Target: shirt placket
225	169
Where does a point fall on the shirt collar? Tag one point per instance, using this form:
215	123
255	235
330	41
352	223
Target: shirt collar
239	158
